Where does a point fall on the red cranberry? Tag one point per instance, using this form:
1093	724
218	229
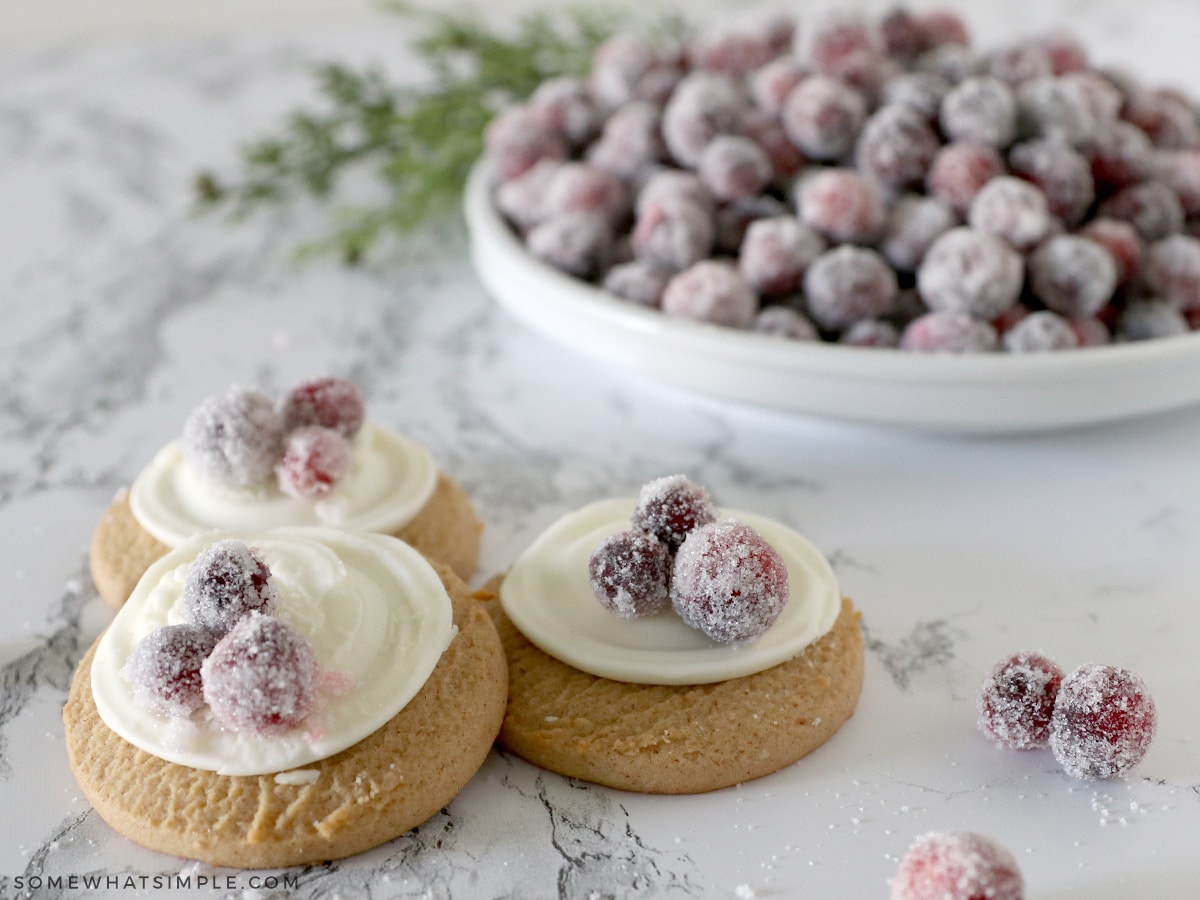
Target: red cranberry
518	138
261	678
314	460
823	116
631	142
842	205
1013	209
1017	698
1121	155
1122	242
981	111
734	167
637	281
896	147
1149	319
565	105
703	106
1072	275
957	866
785	322
972	272
846	284
233	439
1149	206
728	582
711	291
1172	271
164	668
913	224
579	243
776	252
1063	175
1104	720
671	507
673	233
1040	332
328	402
226	582
948	332
629	574
959	171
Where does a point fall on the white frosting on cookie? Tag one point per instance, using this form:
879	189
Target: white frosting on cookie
375	610
390	479
547	594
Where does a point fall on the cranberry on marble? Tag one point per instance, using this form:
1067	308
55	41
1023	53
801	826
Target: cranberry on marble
957	866
1103	722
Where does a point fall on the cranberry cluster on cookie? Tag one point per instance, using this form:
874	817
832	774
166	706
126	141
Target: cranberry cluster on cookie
721	577
256	673
875	181
239	439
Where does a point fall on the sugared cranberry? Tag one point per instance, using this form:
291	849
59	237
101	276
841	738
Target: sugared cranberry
943	26
769	134
902	35
1180	171
953	62
1167	118
631	141
846	284
578	243
673	233
328	402
164	668
1172	271
842	205
972	272
261	678
576	187
913	224
959	171
314	460
823	117
980	111
1019	63
734	219
1057	109
771	84
226	582
521	199
1063	174
626	67
1016	700
728	582
566	105
711	291
785	322
519	137
896	146
731	51
734	167
671	507
233	439
948	332
1040	332
922	91
1072	275
835	39
703	106
1122	242
957	866
638	282
1149	206
1149	319
776	252
870	333
1065	52
1103	722
1012	209
1121	155
630	574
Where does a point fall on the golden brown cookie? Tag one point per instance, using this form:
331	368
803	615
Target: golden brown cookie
446	529
388	783
663	739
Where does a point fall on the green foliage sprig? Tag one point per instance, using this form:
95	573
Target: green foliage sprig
419	141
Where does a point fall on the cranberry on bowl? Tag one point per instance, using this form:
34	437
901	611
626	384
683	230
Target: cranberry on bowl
865	218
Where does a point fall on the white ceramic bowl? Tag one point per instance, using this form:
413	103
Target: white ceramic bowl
993	392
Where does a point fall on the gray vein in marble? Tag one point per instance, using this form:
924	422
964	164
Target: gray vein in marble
928	646
48	666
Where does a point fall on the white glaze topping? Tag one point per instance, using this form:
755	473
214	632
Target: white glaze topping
375	611
390	479
548	596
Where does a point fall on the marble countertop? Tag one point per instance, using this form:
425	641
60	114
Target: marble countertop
121	310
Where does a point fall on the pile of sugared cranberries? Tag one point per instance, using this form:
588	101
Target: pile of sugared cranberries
1098	721
256	673
957	865
720	577
798	181
239	439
